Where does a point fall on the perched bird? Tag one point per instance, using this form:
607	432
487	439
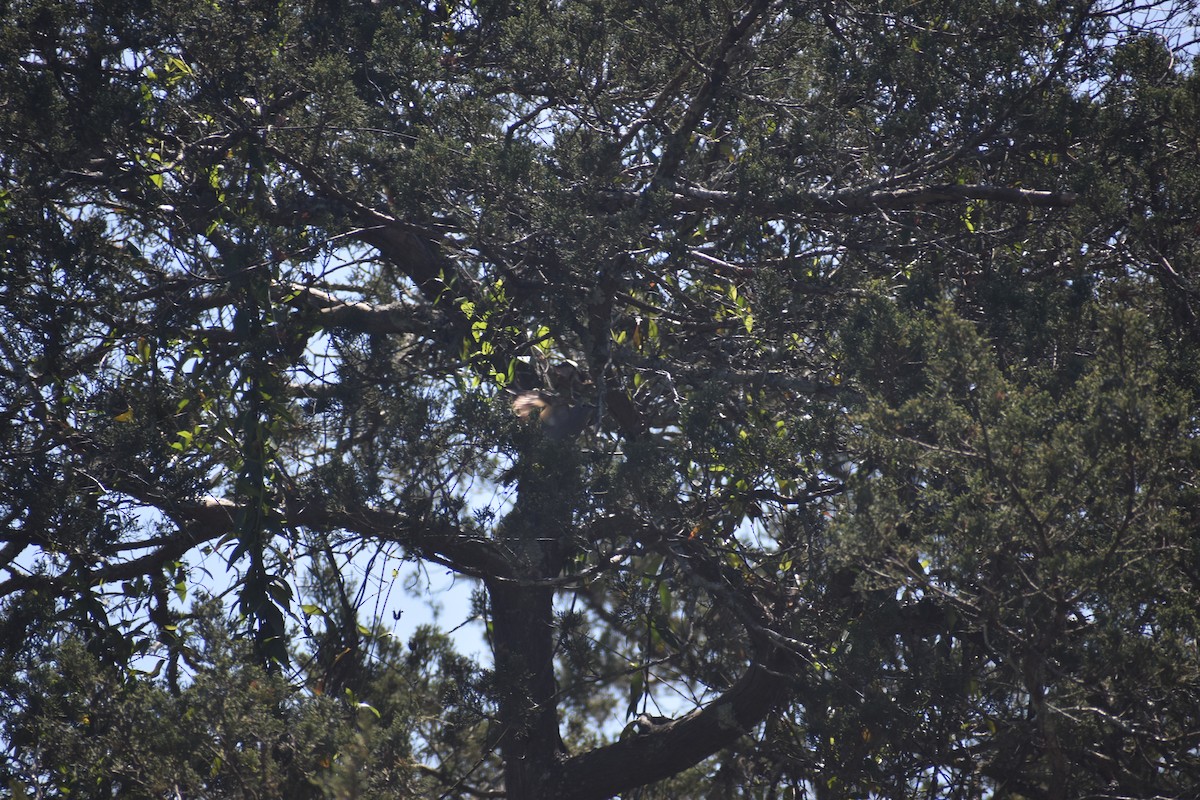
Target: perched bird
558	418
558	408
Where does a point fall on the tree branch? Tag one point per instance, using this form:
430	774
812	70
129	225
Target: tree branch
730	50
851	201
666	749
361	317
207	519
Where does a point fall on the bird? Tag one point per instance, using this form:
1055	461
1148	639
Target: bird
557	408
557	416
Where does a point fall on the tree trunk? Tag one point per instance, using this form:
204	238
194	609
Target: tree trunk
522	612
523	648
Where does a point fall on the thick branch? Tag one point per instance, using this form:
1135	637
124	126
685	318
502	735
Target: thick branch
667	749
361	317
440	541
208	519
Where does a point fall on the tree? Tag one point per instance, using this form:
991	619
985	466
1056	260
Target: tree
234	730
872	330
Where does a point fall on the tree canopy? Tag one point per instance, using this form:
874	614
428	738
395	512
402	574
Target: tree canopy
855	356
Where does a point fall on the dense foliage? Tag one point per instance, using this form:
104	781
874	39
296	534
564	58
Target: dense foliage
856	356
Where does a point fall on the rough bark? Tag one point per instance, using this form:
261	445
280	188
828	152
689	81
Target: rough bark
522	616
523	649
